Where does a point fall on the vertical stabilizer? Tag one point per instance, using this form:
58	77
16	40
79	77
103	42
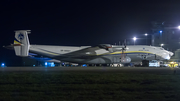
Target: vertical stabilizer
21	42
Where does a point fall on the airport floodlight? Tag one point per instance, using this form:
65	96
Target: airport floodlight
178	27
134	38
146	37
162	45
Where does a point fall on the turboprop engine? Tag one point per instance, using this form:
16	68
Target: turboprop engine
111	49
125	59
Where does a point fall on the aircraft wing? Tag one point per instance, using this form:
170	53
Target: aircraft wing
83	53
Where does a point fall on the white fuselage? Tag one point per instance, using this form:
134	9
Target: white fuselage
85	54
102	54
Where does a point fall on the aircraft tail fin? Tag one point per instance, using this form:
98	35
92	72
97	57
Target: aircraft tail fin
21	43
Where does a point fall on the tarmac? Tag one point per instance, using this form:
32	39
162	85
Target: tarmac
158	70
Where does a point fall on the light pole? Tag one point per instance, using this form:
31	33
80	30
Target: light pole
146	37
134	40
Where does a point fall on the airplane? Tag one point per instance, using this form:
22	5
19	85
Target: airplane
100	54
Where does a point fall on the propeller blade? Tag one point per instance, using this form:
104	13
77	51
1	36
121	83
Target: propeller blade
125	43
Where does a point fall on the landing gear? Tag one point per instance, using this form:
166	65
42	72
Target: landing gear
145	63
115	65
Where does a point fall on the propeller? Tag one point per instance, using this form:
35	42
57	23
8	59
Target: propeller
124	48
107	47
125	43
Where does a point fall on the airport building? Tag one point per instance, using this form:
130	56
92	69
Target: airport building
167	35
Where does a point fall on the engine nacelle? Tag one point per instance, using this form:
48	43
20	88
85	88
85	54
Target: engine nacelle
125	59
105	46
111	49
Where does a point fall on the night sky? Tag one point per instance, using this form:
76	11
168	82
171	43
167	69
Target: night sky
86	22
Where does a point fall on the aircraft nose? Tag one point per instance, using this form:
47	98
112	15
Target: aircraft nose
165	54
170	53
